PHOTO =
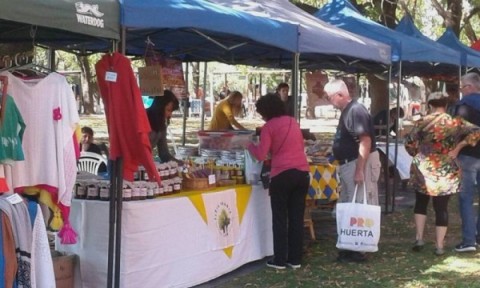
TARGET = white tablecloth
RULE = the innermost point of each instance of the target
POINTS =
(403, 158)
(166, 242)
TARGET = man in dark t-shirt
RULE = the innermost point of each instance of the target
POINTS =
(354, 149)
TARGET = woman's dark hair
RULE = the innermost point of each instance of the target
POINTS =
(270, 106)
(393, 111)
(282, 85)
(442, 102)
(87, 130)
(156, 112)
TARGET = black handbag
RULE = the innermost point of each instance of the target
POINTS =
(265, 173)
(267, 164)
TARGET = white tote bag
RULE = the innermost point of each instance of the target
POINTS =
(358, 225)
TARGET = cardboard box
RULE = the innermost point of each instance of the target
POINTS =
(63, 267)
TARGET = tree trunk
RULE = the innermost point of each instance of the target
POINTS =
(378, 88)
(387, 12)
(195, 77)
(88, 86)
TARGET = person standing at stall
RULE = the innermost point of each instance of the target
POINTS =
(159, 114)
(354, 149)
(224, 115)
(282, 92)
(434, 173)
(289, 179)
(469, 158)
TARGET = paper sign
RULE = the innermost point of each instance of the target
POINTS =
(151, 80)
(211, 179)
(111, 76)
(14, 199)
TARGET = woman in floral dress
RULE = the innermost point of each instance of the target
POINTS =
(434, 143)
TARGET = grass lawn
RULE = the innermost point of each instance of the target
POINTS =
(395, 265)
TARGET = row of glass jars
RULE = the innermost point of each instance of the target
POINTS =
(230, 170)
(168, 170)
(137, 190)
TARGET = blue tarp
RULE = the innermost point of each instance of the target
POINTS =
(450, 56)
(315, 36)
(196, 30)
(470, 57)
(405, 48)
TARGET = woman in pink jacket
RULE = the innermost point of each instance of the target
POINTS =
(289, 179)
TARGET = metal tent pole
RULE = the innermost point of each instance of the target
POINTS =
(202, 125)
(116, 176)
(111, 221)
(300, 98)
(395, 160)
(295, 69)
(387, 161)
(118, 226)
(185, 108)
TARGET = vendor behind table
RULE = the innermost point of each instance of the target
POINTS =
(159, 115)
(224, 115)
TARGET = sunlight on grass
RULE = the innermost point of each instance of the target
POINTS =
(456, 264)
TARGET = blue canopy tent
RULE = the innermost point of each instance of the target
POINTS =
(418, 56)
(195, 30)
(211, 32)
(470, 57)
(319, 44)
(407, 27)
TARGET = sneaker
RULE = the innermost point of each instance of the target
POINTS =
(418, 246)
(439, 251)
(294, 266)
(272, 264)
(465, 248)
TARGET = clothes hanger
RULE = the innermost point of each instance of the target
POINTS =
(3, 96)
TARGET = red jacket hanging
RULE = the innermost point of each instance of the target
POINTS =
(127, 121)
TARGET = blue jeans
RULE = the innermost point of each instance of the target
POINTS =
(470, 177)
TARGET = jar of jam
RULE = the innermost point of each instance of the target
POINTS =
(150, 190)
(127, 191)
(239, 169)
(104, 190)
(155, 189)
(161, 190)
(92, 191)
(80, 190)
(218, 170)
(135, 191)
(164, 171)
(240, 180)
(173, 169)
(143, 190)
(177, 185)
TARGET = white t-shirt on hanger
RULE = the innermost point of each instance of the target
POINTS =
(49, 110)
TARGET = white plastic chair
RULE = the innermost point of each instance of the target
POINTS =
(90, 162)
